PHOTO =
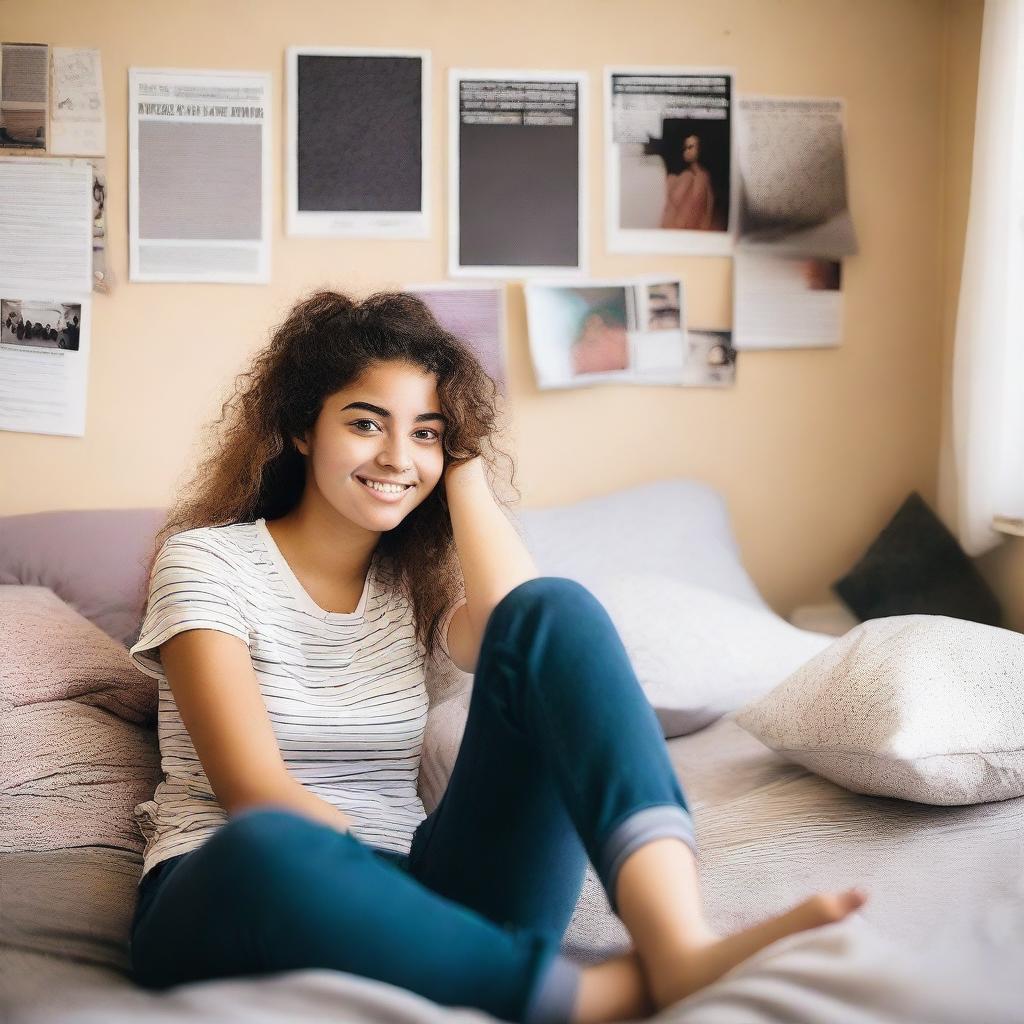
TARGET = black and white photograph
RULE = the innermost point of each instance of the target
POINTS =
(668, 162)
(358, 142)
(39, 324)
(24, 95)
(710, 359)
(517, 192)
(664, 308)
(793, 189)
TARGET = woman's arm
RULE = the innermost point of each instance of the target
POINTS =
(493, 558)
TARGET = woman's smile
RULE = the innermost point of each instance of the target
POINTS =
(390, 493)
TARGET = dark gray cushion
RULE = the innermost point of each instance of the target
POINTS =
(916, 567)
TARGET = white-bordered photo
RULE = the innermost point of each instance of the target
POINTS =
(627, 330)
(517, 183)
(670, 171)
(199, 175)
(476, 312)
(358, 142)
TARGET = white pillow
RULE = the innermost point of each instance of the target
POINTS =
(918, 707)
(697, 653)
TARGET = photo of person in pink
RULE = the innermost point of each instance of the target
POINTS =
(689, 196)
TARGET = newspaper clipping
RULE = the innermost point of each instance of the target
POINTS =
(668, 164)
(45, 308)
(44, 365)
(516, 186)
(358, 142)
(787, 302)
(199, 175)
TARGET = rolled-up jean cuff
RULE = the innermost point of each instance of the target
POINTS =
(555, 997)
(637, 830)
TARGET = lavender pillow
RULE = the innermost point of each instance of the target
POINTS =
(94, 559)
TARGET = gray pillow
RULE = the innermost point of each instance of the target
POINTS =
(699, 654)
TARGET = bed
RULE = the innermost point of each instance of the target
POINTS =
(940, 939)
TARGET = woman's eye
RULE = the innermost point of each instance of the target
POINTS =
(366, 424)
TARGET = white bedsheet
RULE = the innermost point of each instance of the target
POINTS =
(940, 939)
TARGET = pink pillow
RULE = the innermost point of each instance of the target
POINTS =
(77, 747)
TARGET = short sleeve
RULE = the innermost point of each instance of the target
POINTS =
(191, 587)
(446, 620)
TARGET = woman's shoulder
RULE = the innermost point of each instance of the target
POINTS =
(234, 539)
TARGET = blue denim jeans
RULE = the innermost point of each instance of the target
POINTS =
(562, 760)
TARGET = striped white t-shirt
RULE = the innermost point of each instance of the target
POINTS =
(345, 692)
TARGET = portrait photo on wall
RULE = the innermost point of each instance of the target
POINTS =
(668, 160)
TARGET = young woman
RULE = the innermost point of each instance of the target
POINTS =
(341, 534)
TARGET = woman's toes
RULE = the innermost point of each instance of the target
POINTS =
(829, 907)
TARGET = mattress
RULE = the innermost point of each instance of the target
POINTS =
(940, 938)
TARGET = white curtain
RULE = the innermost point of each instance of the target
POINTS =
(988, 358)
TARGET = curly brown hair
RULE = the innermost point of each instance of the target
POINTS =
(326, 343)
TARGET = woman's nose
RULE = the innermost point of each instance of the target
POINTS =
(396, 453)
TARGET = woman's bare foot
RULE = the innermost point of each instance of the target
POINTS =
(692, 967)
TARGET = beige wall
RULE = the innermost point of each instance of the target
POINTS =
(813, 449)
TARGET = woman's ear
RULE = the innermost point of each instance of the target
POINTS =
(301, 445)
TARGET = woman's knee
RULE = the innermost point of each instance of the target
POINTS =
(558, 591)
(266, 835)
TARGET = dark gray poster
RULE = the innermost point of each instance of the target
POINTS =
(358, 140)
(517, 186)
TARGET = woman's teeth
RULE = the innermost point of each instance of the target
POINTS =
(384, 488)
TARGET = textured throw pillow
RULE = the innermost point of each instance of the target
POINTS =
(77, 753)
(918, 707)
(916, 567)
(699, 654)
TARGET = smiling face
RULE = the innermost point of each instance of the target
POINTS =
(691, 149)
(398, 439)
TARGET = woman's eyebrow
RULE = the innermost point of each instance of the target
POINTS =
(422, 418)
